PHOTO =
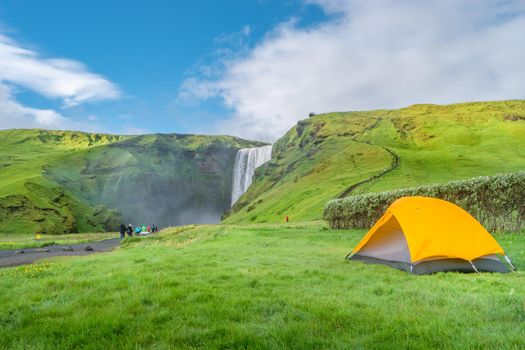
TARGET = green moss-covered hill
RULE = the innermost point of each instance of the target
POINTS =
(339, 154)
(60, 181)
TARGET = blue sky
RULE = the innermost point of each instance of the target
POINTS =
(147, 49)
(250, 68)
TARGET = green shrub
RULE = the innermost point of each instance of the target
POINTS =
(498, 202)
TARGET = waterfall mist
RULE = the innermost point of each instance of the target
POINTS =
(246, 161)
(166, 180)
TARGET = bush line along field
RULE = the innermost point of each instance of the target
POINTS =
(257, 286)
(323, 156)
(498, 202)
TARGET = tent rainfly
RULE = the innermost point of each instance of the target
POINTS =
(424, 235)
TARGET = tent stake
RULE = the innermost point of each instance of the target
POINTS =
(473, 266)
(510, 263)
(351, 254)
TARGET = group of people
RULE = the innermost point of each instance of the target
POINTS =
(138, 230)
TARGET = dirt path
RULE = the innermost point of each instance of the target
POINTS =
(16, 257)
(393, 165)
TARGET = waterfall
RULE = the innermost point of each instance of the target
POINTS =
(246, 161)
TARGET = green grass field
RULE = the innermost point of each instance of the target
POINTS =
(256, 286)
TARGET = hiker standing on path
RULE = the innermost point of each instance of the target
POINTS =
(130, 230)
(122, 231)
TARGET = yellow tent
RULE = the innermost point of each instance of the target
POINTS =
(425, 235)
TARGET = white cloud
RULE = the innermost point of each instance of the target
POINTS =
(15, 115)
(371, 54)
(54, 78)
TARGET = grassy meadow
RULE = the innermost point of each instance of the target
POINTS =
(255, 286)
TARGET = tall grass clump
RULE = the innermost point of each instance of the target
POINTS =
(498, 202)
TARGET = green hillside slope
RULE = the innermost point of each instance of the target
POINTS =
(338, 154)
(29, 202)
(61, 181)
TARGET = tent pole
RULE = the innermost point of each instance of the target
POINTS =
(349, 255)
(510, 263)
(412, 268)
(473, 266)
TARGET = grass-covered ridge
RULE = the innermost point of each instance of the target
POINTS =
(63, 181)
(256, 286)
(327, 155)
(30, 202)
